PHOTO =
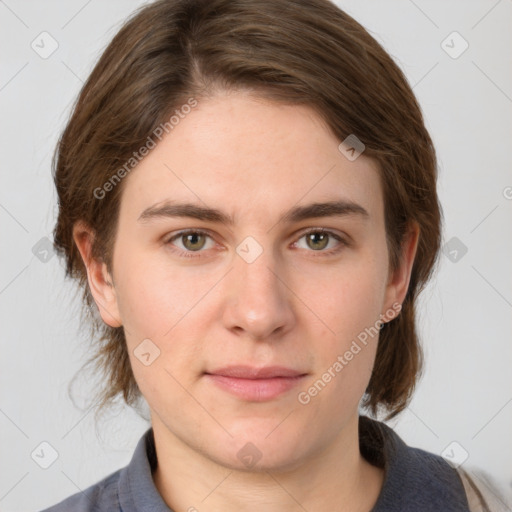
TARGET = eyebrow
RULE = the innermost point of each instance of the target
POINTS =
(298, 213)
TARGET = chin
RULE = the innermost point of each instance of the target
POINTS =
(250, 459)
(266, 448)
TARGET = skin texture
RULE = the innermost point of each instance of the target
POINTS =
(295, 305)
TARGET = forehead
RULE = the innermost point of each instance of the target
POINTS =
(245, 155)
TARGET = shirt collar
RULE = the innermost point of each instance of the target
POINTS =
(412, 476)
(137, 490)
(414, 479)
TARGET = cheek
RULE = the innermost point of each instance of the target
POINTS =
(154, 295)
(347, 299)
(348, 302)
(162, 303)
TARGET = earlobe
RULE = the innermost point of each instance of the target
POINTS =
(399, 279)
(100, 281)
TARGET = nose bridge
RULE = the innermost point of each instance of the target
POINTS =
(259, 303)
(258, 279)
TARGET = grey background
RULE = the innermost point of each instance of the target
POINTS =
(466, 393)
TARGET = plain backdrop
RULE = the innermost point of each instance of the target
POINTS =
(463, 405)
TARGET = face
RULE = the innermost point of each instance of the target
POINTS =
(242, 308)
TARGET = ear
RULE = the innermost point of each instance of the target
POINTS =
(100, 281)
(399, 279)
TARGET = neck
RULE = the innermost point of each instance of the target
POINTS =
(337, 478)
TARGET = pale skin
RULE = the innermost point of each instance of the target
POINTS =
(298, 305)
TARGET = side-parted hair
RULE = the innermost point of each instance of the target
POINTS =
(303, 52)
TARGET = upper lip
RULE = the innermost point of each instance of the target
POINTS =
(251, 372)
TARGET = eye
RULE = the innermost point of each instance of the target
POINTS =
(191, 241)
(320, 240)
(188, 242)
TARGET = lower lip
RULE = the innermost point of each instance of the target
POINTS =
(256, 390)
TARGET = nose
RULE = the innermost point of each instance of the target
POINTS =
(258, 299)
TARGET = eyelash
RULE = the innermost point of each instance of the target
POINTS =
(195, 254)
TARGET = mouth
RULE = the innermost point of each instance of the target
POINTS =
(256, 384)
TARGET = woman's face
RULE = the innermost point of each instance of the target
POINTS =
(246, 288)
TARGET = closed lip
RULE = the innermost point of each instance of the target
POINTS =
(252, 372)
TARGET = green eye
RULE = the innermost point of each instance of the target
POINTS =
(189, 242)
(317, 240)
(320, 240)
(193, 241)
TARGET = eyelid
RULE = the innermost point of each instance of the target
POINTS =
(342, 240)
(175, 235)
(187, 231)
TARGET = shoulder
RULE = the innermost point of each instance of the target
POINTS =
(484, 493)
(426, 480)
(102, 496)
(419, 480)
(129, 488)
(414, 478)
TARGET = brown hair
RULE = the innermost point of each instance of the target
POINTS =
(292, 51)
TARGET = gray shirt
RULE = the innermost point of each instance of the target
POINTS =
(415, 480)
